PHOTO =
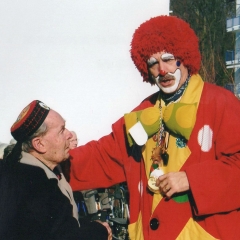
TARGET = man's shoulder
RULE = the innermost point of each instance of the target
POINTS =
(148, 102)
(22, 174)
(212, 91)
(218, 98)
(31, 171)
(214, 87)
(152, 98)
(20, 180)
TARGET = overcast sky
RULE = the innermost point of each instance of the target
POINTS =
(74, 56)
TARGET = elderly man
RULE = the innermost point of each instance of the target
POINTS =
(73, 140)
(179, 150)
(36, 201)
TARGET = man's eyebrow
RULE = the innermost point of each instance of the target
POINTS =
(63, 126)
(151, 61)
(167, 56)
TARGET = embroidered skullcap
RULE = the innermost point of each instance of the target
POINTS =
(29, 120)
(168, 33)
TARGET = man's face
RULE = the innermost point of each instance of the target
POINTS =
(73, 141)
(168, 72)
(57, 139)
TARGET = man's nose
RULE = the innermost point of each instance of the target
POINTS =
(162, 72)
(161, 69)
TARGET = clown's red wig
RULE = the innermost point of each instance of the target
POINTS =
(167, 33)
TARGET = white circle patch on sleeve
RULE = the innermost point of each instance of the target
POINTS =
(205, 136)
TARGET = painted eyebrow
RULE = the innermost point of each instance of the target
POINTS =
(151, 61)
(167, 56)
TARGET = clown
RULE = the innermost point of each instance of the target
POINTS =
(191, 125)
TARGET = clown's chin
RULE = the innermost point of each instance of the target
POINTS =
(174, 87)
(171, 89)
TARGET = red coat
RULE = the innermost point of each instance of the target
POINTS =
(213, 174)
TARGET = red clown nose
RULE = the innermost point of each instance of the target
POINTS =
(162, 73)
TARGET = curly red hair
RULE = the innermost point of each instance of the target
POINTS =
(168, 33)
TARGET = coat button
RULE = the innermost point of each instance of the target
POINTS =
(154, 224)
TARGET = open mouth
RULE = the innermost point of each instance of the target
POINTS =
(166, 80)
(169, 82)
(166, 83)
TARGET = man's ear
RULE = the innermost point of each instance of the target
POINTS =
(38, 144)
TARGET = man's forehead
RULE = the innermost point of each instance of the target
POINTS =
(55, 120)
(74, 135)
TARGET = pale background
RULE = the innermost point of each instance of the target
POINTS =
(74, 56)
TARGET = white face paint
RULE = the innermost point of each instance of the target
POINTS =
(174, 73)
(173, 88)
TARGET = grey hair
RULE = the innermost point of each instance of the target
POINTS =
(27, 145)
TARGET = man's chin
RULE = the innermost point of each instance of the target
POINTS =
(66, 156)
(168, 90)
(174, 81)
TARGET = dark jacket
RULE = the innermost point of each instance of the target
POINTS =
(33, 207)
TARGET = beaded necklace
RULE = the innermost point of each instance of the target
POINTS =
(160, 155)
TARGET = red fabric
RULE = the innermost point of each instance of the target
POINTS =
(214, 176)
